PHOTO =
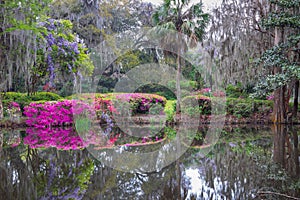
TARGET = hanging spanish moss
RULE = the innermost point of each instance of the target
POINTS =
(18, 46)
(235, 39)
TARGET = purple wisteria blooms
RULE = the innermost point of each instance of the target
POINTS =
(60, 51)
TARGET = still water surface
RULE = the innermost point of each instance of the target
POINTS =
(247, 163)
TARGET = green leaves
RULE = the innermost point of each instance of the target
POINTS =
(178, 16)
(277, 56)
(284, 55)
(282, 19)
(286, 3)
(24, 14)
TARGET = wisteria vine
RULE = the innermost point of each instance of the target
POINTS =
(64, 50)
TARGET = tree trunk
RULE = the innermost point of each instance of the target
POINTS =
(178, 89)
(1, 108)
(279, 110)
(295, 109)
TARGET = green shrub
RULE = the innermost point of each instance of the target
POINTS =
(192, 111)
(230, 104)
(188, 105)
(234, 106)
(170, 110)
(263, 106)
(170, 132)
(45, 96)
(243, 109)
(157, 89)
(233, 91)
(184, 85)
(12, 96)
(23, 99)
(168, 94)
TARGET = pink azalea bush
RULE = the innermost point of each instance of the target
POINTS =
(13, 111)
(48, 114)
(219, 94)
(104, 105)
(141, 102)
(14, 105)
(60, 113)
(205, 91)
(270, 97)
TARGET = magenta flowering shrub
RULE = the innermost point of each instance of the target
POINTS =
(141, 102)
(51, 114)
(219, 94)
(14, 105)
(270, 97)
(61, 113)
(205, 91)
(204, 103)
(13, 111)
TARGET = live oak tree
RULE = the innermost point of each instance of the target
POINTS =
(27, 47)
(235, 38)
(18, 33)
(283, 58)
(98, 21)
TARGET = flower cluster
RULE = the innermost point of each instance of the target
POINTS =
(63, 49)
(270, 97)
(205, 91)
(13, 110)
(140, 102)
(104, 105)
(219, 94)
(14, 105)
(49, 114)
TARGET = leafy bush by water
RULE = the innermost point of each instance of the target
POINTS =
(235, 106)
(23, 99)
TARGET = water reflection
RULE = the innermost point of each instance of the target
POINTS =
(234, 169)
(286, 148)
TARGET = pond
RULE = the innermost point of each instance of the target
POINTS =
(246, 163)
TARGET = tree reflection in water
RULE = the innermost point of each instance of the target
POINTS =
(233, 170)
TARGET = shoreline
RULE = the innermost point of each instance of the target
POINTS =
(229, 120)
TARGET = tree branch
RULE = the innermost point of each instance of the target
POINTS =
(276, 193)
